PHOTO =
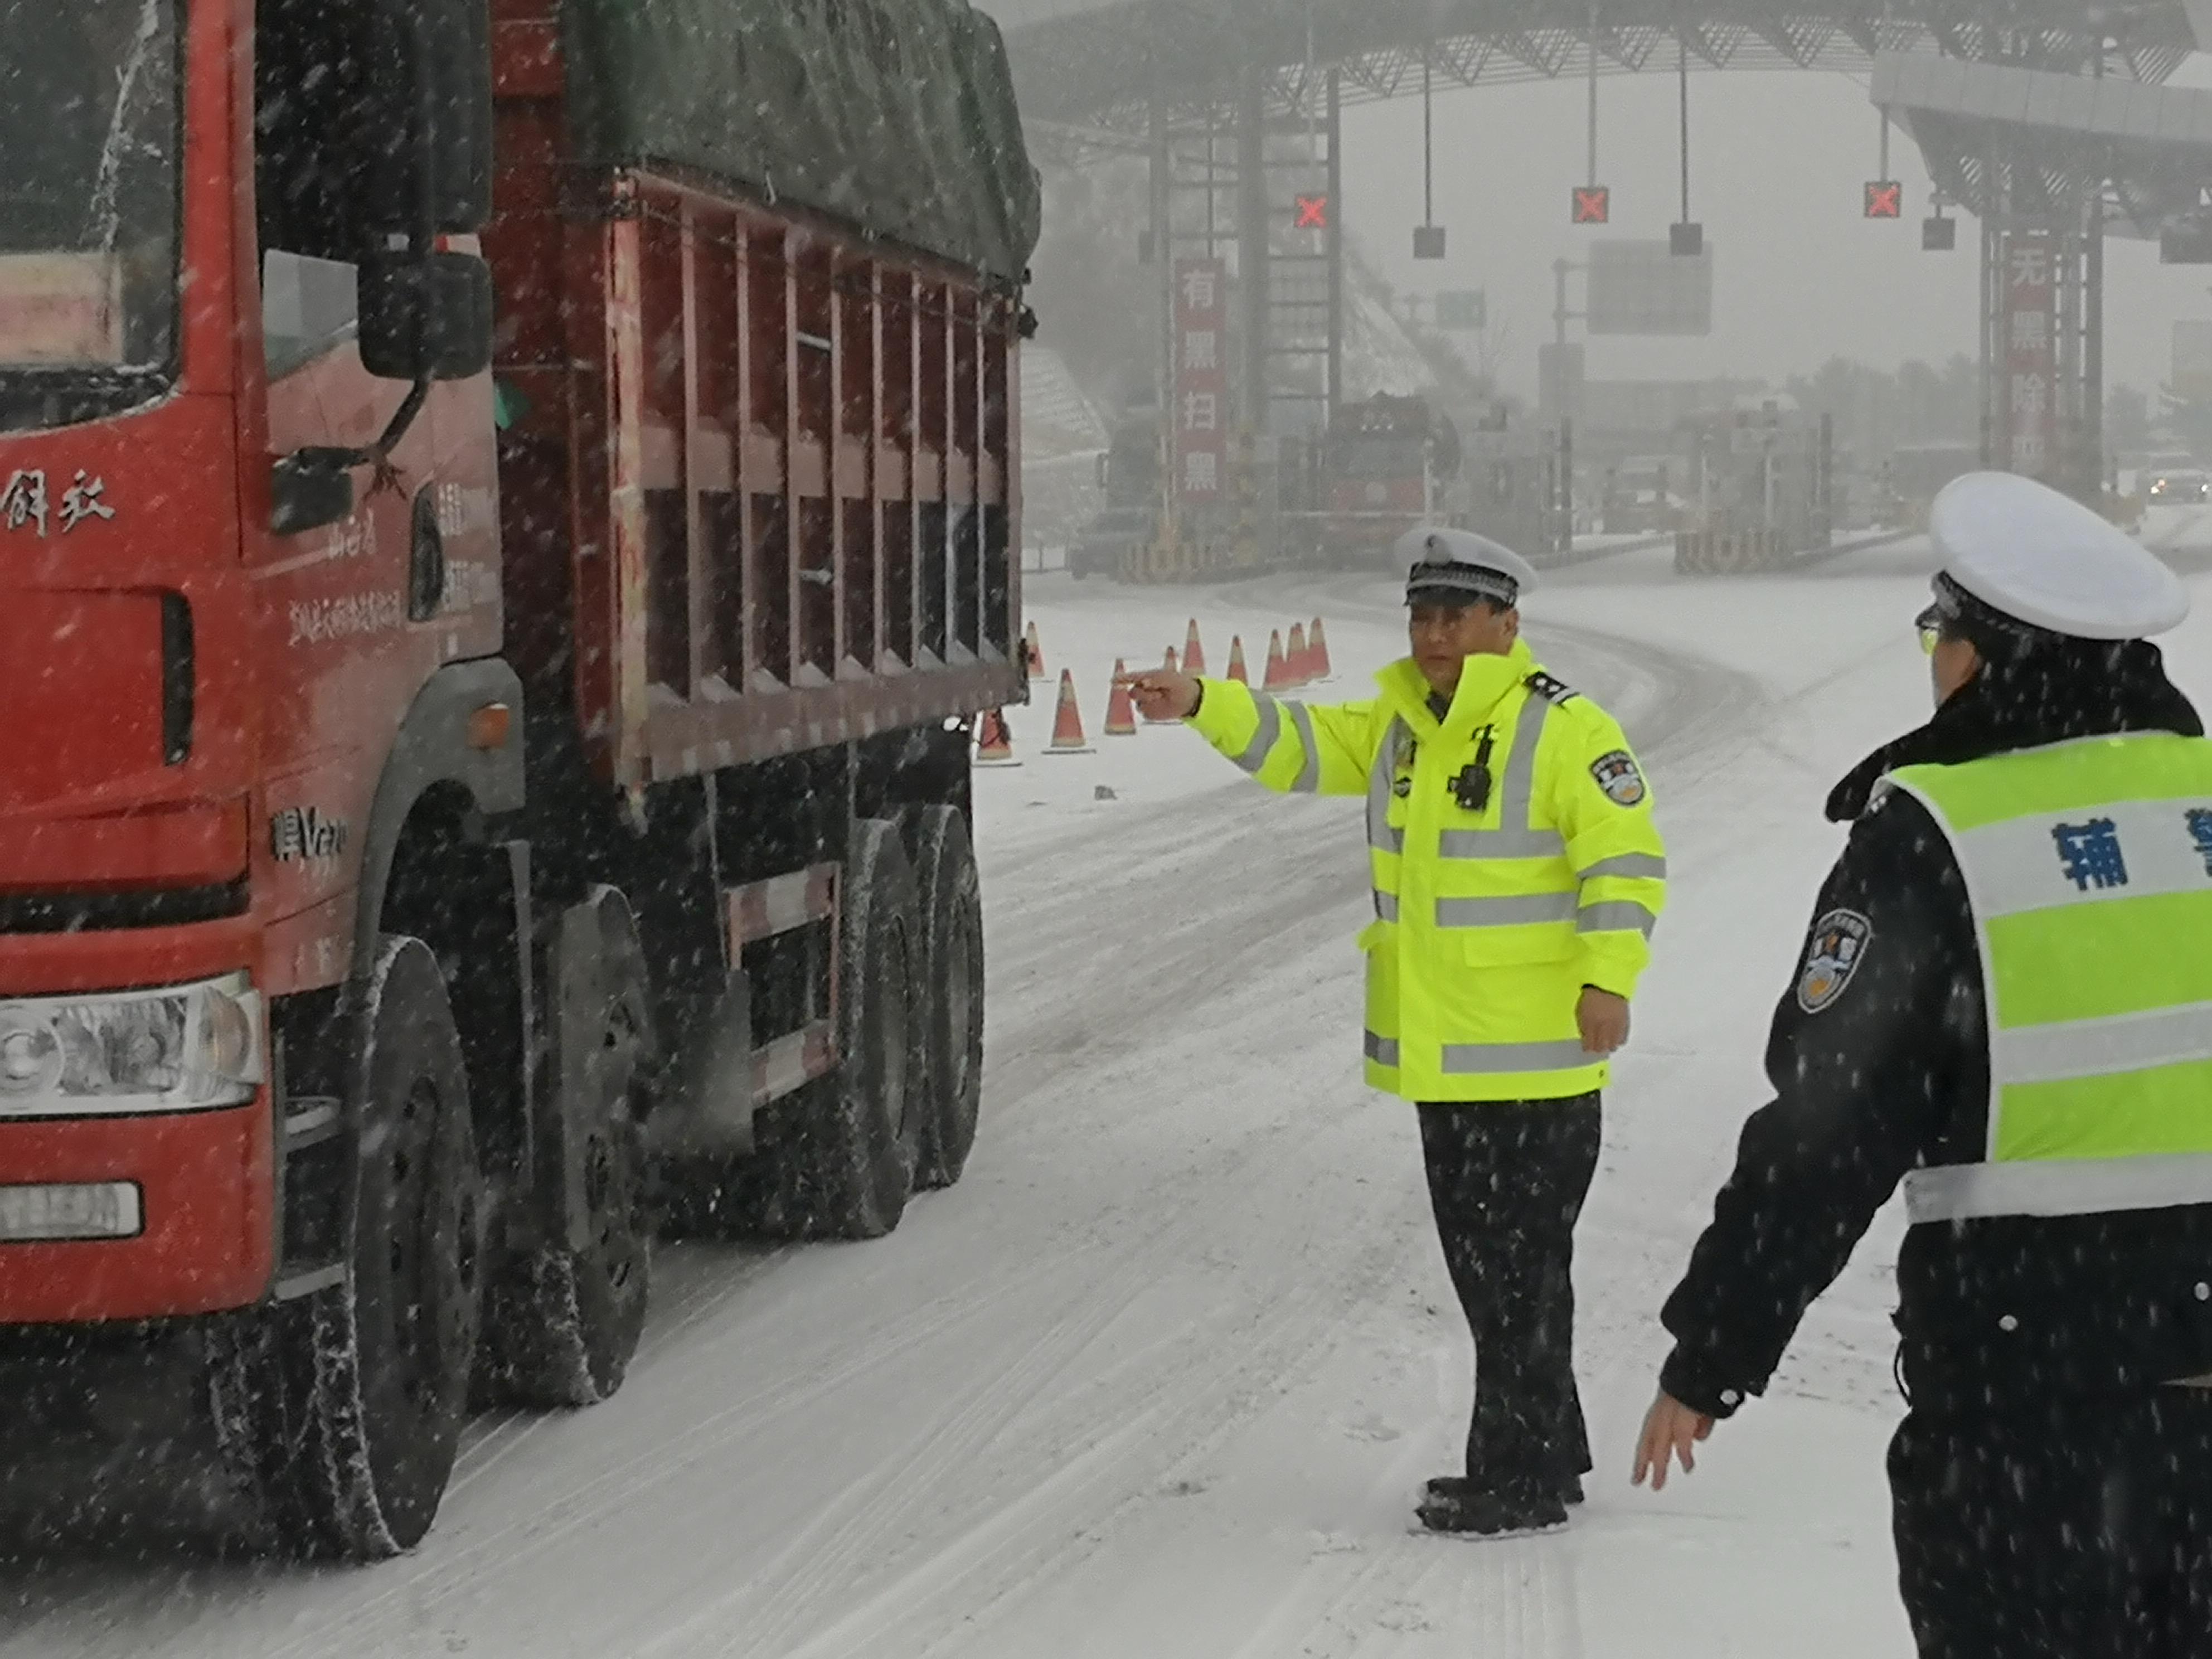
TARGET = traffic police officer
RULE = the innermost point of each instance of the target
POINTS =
(1517, 876)
(2005, 1003)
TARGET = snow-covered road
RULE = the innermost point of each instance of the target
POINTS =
(1162, 1376)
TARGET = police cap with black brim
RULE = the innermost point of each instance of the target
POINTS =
(1458, 568)
(2022, 561)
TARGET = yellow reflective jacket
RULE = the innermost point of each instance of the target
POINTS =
(1488, 923)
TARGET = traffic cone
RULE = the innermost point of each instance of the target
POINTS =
(1317, 652)
(1170, 664)
(1120, 707)
(1236, 660)
(1067, 722)
(995, 742)
(1194, 653)
(1297, 664)
(1276, 676)
(1035, 652)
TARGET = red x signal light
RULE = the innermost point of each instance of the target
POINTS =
(1885, 199)
(1313, 213)
(1593, 204)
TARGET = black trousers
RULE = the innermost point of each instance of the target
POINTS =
(1507, 1180)
(2083, 1531)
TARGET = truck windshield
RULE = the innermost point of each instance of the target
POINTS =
(90, 126)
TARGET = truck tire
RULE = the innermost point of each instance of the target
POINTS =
(836, 1159)
(342, 1411)
(563, 1318)
(952, 990)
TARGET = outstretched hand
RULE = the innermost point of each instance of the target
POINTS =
(1162, 694)
(1671, 1431)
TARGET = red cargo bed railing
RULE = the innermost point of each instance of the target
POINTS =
(765, 470)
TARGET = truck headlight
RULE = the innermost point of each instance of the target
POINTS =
(181, 1048)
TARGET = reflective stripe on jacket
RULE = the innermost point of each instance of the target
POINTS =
(2088, 868)
(1488, 923)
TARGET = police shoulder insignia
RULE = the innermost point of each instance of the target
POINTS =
(1839, 945)
(1550, 688)
(1618, 775)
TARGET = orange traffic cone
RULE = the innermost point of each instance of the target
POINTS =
(1317, 652)
(1067, 722)
(1276, 678)
(1120, 707)
(1194, 653)
(1035, 652)
(994, 743)
(1236, 660)
(1297, 664)
(1170, 664)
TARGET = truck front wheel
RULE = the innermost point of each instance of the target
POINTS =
(342, 1410)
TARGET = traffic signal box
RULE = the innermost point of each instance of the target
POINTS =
(1885, 199)
(1593, 204)
(1311, 213)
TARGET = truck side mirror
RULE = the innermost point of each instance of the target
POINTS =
(426, 319)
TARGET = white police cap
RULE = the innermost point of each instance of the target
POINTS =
(1442, 562)
(2039, 557)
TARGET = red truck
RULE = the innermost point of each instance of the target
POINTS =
(484, 776)
(1388, 461)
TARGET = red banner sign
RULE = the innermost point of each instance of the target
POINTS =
(1201, 383)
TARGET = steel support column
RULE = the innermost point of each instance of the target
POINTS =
(1335, 247)
(1252, 248)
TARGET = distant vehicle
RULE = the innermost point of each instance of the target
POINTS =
(1387, 460)
(1639, 500)
(1129, 473)
(2180, 489)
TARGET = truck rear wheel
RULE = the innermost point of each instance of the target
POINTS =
(838, 1158)
(563, 1318)
(342, 1410)
(953, 992)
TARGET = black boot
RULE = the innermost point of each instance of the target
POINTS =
(1453, 1503)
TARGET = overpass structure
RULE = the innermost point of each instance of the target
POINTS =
(1238, 105)
(1105, 63)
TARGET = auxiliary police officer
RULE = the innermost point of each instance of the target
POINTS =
(2005, 1003)
(1517, 876)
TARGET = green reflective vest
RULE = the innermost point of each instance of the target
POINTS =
(2088, 868)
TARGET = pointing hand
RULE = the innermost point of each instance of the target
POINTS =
(1162, 695)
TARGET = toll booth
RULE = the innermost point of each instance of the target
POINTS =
(1761, 494)
(1516, 487)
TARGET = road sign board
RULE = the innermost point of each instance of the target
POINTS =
(1885, 198)
(1463, 309)
(1593, 204)
(1428, 241)
(1645, 288)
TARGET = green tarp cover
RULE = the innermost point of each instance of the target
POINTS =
(896, 116)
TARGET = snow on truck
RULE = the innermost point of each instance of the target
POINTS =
(508, 514)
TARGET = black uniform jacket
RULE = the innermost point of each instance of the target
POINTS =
(1891, 1071)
